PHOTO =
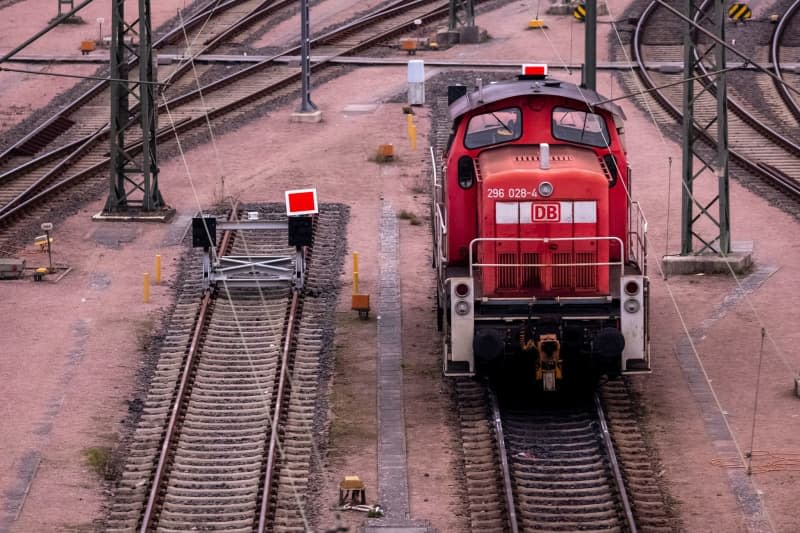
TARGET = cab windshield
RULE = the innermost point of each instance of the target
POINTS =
(494, 127)
(580, 127)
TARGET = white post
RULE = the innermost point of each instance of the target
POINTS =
(416, 82)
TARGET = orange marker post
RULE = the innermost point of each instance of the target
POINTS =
(146, 288)
(360, 302)
(355, 272)
(158, 269)
(412, 131)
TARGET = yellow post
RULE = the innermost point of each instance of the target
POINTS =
(146, 287)
(355, 272)
(412, 130)
(158, 269)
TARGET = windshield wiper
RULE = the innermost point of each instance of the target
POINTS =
(501, 122)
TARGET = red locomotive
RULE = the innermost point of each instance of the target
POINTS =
(540, 251)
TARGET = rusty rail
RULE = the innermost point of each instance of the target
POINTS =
(188, 367)
(615, 469)
(28, 196)
(504, 468)
(735, 156)
(273, 440)
(775, 55)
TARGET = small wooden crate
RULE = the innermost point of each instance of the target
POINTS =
(409, 45)
(87, 46)
(361, 304)
(385, 152)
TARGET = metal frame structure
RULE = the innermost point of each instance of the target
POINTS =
(69, 3)
(462, 14)
(713, 56)
(134, 170)
(306, 105)
(253, 271)
(590, 46)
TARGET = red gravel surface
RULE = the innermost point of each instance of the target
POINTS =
(72, 350)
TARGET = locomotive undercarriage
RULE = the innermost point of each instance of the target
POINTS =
(556, 350)
(552, 342)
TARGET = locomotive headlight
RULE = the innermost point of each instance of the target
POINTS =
(632, 288)
(631, 305)
(462, 290)
(545, 188)
(462, 308)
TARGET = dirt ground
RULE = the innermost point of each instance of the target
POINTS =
(72, 353)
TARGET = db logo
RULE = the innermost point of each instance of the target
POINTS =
(546, 212)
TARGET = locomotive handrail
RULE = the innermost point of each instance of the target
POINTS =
(436, 183)
(439, 224)
(638, 234)
(473, 242)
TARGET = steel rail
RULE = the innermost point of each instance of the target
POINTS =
(85, 143)
(82, 144)
(775, 45)
(198, 19)
(46, 157)
(266, 8)
(743, 161)
(171, 432)
(319, 41)
(739, 110)
(29, 196)
(79, 148)
(615, 469)
(188, 123)
(167, 39)
(273, 439)
(99, 87)
(188, 369)
(504, 468)
(263, 9)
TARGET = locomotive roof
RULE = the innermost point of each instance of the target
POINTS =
(495, 92)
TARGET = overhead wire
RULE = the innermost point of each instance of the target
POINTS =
(243, 236)
(734, 275)
(78, 76)
(645, 102)
(275, 329)
(673, 299)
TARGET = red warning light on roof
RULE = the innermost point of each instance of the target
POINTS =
(534, 70)
(301, 202)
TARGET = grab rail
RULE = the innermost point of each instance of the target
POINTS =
(439, 223)
(473, 242)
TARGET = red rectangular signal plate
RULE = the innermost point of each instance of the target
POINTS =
(534, 70)
(301, 202)
(546, 212)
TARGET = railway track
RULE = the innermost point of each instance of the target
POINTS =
(657, 39)
(785, 47)
(237, 380)
(554, 470)
(73, 144)
(82, 154)
(557, 465)
(561, 470)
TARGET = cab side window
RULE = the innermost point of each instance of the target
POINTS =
(494, 127)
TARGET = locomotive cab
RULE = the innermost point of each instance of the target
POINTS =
(539, 250)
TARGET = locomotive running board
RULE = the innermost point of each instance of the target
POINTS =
(457, 369)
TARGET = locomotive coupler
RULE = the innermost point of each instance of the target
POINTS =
(549, 371)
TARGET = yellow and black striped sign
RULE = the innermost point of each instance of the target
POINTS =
(739, 12)
(579, 12)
